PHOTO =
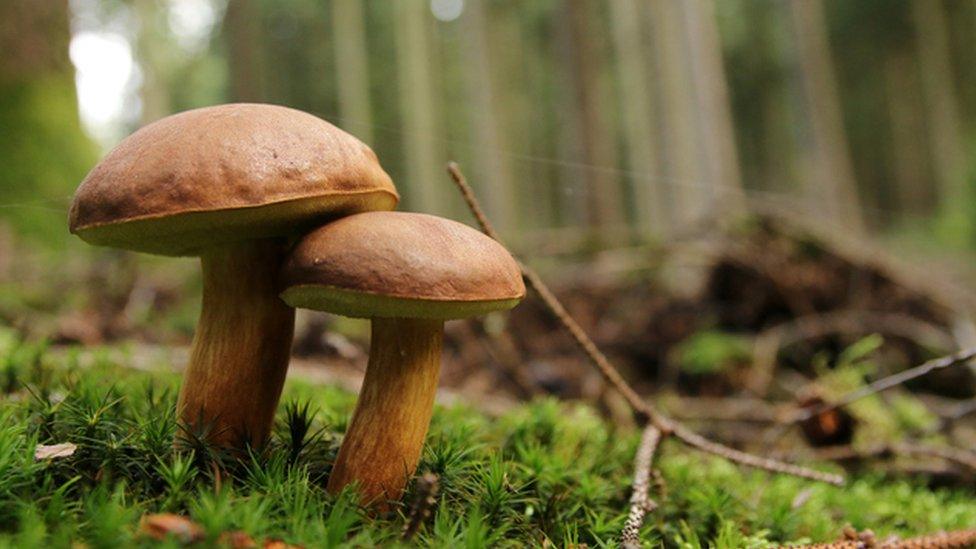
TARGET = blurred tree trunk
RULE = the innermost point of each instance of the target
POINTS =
(43, 150)
(352, 68)
(521, 81)
(583, 63)
(34, 37)
(424, 165)
(150, 51)
(637, 117)
(942, 115)
(913, 194)
(716, 133)
(689, 189)
(242, 29)
(827, 169)
(490, 162)
(571, 188)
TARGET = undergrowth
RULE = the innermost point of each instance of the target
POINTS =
(545, 472)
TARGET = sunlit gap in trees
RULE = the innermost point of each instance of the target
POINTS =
(104, 53)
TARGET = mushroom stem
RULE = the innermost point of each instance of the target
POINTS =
(382, 445)
(241, 346)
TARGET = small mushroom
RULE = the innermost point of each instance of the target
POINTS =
(230, 184)
(408, 273)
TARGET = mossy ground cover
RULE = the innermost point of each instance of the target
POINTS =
(546, 472)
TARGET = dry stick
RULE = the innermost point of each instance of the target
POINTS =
(961, 410)
(644, 411)
(771, 340)
(951, 454)
(954, 455)
(946, 540)
(640, 499)
(888, 382)
(535, 282)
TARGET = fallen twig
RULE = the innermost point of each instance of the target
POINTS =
(944, 540)
(886, 383)
(769, 342)
(957, 456)
(640, 499)
(644, 411)
(961, 410)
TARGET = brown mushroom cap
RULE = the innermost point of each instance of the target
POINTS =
(221, 174)
(406, 265)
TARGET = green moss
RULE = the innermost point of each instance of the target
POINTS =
(711, 352)
(546, 471)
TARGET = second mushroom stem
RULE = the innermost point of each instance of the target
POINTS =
(384, 440)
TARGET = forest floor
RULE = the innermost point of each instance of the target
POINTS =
(733, 334)
(543, 472)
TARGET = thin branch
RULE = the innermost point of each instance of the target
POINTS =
(535, 282)
(961, 410)
(944, 540)
(644, 411)
(771, 340)
(640, 499)
(951, 454)
(888, 382)
(695, 440)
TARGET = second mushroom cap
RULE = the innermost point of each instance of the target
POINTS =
(401, 265)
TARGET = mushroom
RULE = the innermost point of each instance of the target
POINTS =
(230, 184)
(408, 273)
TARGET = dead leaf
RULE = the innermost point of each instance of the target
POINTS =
(237, 540)
(161, 525)
(278, 544)
(54, 451)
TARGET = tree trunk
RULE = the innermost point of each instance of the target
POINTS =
(913, 194)
(716, 133)
(827, 169)
(43, 150)
(424, 162)
(637, 117)
(942, 115)
(596, 140)
(689, 189)
(242, 29)
(150, 45)
(490, 162)
(352, 68)
(521, 78)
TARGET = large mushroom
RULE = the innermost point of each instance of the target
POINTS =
(230, 184)
(409, 273)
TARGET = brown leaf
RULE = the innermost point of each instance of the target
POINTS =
(279, 544)
(161, 525)
(237, 540)
(54, 451)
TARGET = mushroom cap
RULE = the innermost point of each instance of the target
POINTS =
(403, 265)
(216, 175)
